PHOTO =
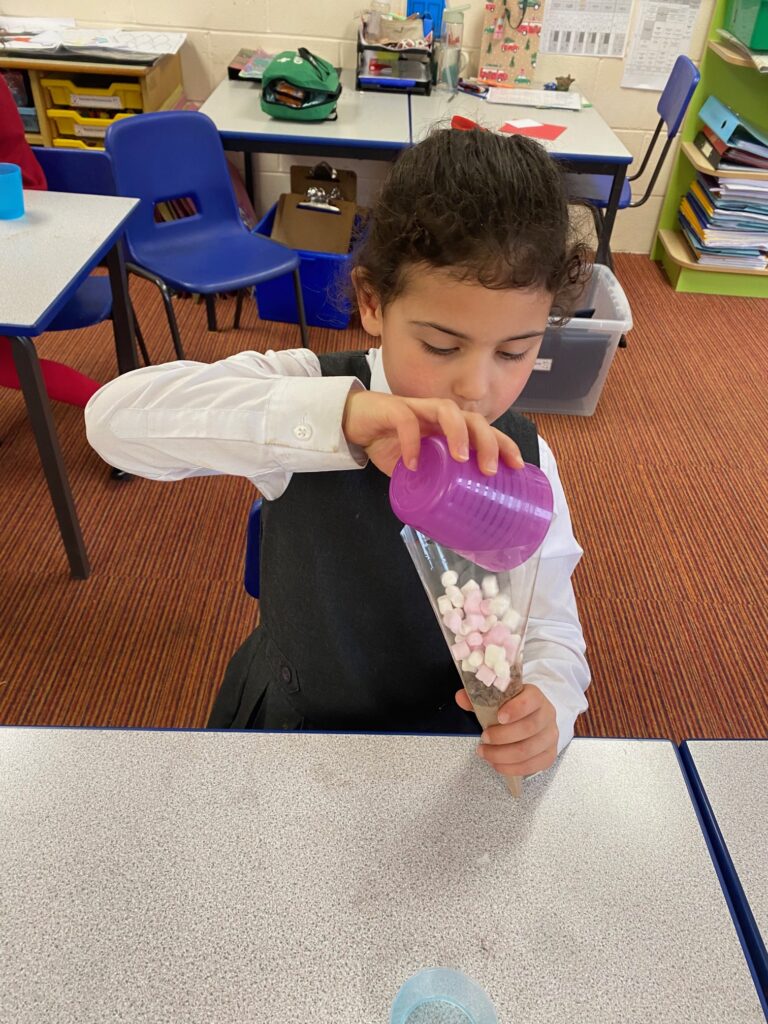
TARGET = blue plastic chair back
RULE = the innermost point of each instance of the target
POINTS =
(677, 94)
(171, 155)
(253, 550)
(77, 170)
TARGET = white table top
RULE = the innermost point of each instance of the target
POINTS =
(365, 118)
(586, 133)
(221, 877)
(61, 236)
(734, 774)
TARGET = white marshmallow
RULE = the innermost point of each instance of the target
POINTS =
(449, 579)
(469, 586)
(454, 595)
(444, 604)
(465, 666)
(512, 619)
(475, 660)
(493, 653)
(488, 624)
(490, 586)
(500, 605)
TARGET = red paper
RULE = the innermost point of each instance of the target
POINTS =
(540, 131)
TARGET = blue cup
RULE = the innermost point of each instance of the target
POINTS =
(442, 996)
(11, 192)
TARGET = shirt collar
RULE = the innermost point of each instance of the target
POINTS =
(378, 377)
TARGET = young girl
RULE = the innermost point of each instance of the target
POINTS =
(466, 257)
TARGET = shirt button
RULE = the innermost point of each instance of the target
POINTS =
(302, 432)
(285, 674)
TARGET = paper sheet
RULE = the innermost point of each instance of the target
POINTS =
(595, 28)
(662, 31)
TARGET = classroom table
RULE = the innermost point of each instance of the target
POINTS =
(370, 125)
(44, 256)
(219, 877)
(587, 146)
(730, 782)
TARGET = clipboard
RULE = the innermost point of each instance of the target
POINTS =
(731, 128)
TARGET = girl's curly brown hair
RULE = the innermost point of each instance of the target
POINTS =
(491, 208)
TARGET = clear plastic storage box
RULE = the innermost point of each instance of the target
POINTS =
(574, 360)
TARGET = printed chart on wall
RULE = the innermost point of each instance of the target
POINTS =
(592, 28)
(509, 45)
(662, 32)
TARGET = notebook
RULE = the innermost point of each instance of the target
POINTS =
(536, 98)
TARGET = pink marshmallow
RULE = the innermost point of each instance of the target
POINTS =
(453, 621)
(500, 634)
(486, 675)
(461, 651)
(476, 622)
(485, 606)
(475, 640)
(472, 602)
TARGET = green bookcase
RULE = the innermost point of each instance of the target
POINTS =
(738, 84)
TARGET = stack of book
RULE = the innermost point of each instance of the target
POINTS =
(725, 219)
(725, 222)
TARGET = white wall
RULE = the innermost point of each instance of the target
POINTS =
(216, 29)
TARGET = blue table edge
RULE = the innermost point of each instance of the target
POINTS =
(746, 926)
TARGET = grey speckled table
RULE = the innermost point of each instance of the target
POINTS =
(214, 878)
(733, 775)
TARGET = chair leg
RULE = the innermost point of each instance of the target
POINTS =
(172, 322)
(300, 308)
(210, 309)
(238, 307)
(140, 338)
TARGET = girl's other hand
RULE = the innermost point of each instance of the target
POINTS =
(389, 426)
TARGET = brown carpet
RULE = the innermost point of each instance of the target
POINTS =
(668, 487)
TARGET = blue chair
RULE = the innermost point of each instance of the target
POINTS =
(594, 190)
(253, 550)
(174, 156)
(84, 171)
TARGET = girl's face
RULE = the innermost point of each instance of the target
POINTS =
(443, 338)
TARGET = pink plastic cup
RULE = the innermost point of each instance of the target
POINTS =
(497, 521)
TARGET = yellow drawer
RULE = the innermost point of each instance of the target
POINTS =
(71, 124)
(118, 96)
(63, 143)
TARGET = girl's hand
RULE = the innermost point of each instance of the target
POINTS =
(388, 427)
(525, 741)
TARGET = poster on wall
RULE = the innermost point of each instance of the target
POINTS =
(663, 31)
(509, 44)
(589, 28)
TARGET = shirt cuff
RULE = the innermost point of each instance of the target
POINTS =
(303, 424)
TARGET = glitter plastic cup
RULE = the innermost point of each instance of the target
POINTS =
(496, 521)
(442, 996)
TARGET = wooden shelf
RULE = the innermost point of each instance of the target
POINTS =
(678, 251)
(730, 54)
(697, 160)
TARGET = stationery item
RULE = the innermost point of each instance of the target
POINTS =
(533, 129)
(732, 129)
(759, 60)
(536, 98)
(11, 192)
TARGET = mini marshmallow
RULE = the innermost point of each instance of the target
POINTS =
(490, 586)
(473, 602)
(475, 640)
(502, 669)
(455, 595)
(449, 579)
(493, 653)
(461, 651)
(500, 605)
(453, 621)
(465, 666)
(444, 605)
(465, 630)
(501, 683)
(488, 623)
(499, 634)
(512, 646)
(512, 619)
(485, 606)
(476, 621)
(486, 675)
(469, 586)
(475, 660)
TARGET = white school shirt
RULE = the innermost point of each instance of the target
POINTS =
(268, 416)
